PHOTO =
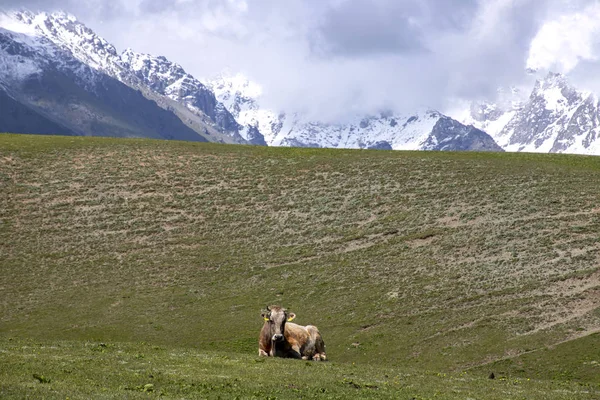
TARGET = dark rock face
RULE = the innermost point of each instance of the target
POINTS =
(556, 118)
(451, 135)
(69, 97)
(170, 79)
(383, 145)
(165, 83)
(255, 137)
(18, 118)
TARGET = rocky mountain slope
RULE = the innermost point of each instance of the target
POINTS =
(240, 96)
(424, 130)
(59, 58)
(53, 92)
(555, 118)
(59, 39)
(18, 118)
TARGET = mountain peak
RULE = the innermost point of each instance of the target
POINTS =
(63, 30)
(79, 53)
(63, 15)
(19, 22)
(159, 65)
(63, 39)
(35, 19)
(552, 80)
(235, 84)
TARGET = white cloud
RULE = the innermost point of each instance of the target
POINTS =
(335, 57)
(562, 43)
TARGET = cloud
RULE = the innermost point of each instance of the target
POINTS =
(562, 43)
(366, 27)
(332, 58)
(569, 42)
(92, 8)
(424, 54)
(363, 29)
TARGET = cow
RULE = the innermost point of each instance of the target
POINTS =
(279, 337)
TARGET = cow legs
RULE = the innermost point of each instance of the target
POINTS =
(319, 345)
(319, 350)
(295, 353)
(262, 353)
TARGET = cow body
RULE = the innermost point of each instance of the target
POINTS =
(280, 338)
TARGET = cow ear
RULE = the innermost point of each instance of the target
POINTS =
(291, 317)
(265, 316)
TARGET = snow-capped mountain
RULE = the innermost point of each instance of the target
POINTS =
(169, 79)
(491, 117)
(58, 76)
(241, 96)
(158, 79)
(425, 130)
(226, 109)
(45, 89)
(556, 118)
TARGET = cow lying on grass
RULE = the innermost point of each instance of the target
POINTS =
(281, 338)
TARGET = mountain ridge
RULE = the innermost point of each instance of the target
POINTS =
(556, 118)
(225, 111)
(386, 130)
(52, 84)
(70, 39)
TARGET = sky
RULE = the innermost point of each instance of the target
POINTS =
(335, 58)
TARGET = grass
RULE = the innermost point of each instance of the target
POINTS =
(408, 261)
(104, 370)
(573, 361)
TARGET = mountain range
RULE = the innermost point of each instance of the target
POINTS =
(555, 118)
(57, 76)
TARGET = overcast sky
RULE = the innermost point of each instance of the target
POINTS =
(334, 57)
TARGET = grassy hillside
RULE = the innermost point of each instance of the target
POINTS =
(445, 262)
(94, 370)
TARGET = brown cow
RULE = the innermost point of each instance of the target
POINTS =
(281, 338)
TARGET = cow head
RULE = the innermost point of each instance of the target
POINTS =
(276, 317)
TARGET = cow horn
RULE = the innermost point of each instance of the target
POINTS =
(268, 308)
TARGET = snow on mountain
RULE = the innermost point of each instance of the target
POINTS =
(46, 89)
(235, 91)
(154, 76)
(425, 130)
(14, 66)
(25, 52)
(170, 79)
(241, 97)
(556, 118)
(235, 109)
(66, 32)
(385, 131)
(491, 117)
(408, 132)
